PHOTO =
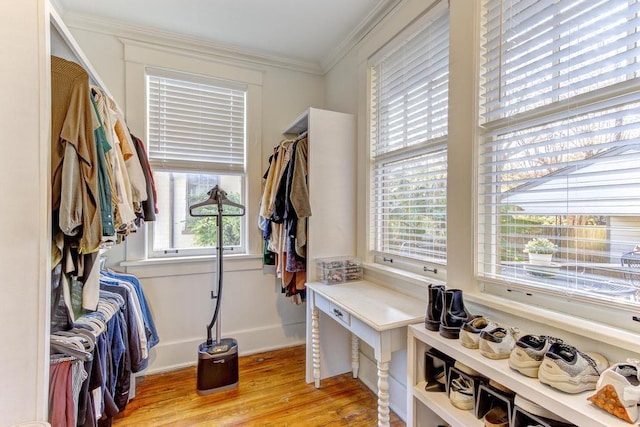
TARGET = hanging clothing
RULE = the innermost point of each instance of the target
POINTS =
(150, 205)
(73, 157)
(122, 195)
(284, 210)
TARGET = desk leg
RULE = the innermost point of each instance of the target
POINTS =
(383, 394)
(355, 355)
(315, 346)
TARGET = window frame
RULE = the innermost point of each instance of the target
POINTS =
(138, 56)
(430, 266)
(182, 166)
(486, 238)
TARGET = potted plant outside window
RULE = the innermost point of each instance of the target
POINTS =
(540, 251)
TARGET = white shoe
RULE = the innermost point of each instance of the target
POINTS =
(618, 390)
(497, 343)
(569, 370)
(470, 331)
(461, 393)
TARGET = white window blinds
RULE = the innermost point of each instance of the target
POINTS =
(409, 107)
(195, 124)
(538, 53)
(559, 157)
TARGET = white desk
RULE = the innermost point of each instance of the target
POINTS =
(373, 313)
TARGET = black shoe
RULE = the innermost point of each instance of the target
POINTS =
(434, 307)
(454, 314)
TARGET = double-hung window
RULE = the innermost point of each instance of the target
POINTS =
(560, 152)
(409, 81)
(196, 137)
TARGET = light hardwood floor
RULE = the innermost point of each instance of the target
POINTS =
(272, 392)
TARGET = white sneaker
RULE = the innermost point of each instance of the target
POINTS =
(618, 390)
(470, 331)
(497, 343)
(569, 370)
(528, 353)
(461, 393)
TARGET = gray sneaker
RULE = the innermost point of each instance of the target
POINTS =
(528, 353)
(570, 370)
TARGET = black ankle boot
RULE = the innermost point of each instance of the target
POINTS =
(454, 313)
(434, 307)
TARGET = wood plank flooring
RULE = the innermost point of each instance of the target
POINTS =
(272, 392)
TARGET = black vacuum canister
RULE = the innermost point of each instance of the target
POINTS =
(217, 366)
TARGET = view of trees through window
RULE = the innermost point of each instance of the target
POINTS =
(177, 229)
(560, 109)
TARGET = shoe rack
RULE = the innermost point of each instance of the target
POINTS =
(573, 407)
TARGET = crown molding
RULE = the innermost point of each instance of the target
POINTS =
(383, 8)
(186, 43)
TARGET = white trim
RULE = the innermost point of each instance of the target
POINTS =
(44, 208)
(167, 57)
(379, 13)
(169, 356)
(186, 44)
(137, 57)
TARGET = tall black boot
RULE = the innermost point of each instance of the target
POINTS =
(454, 314)
(434, 307)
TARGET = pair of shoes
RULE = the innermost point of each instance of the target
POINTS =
(496, 417)
(446, 312)
(461, 393)
(618, 390)
(528, 353)
(470, 331)
(535, 409)
(569, 370)
(497, 343)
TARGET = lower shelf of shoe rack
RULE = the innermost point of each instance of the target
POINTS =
(573, 407)
(439, 403)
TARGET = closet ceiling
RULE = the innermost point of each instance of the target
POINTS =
(306, 30)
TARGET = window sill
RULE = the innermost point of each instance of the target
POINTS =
(592, 330)
(180, 266)
(623, 337)
(403, 281)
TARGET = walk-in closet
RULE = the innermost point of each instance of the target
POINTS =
(373, 212)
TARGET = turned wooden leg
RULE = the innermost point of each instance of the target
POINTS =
(383, 394)
(315, 346)
(355, 355)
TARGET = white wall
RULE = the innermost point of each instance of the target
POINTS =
(253, 311)
(24, 177)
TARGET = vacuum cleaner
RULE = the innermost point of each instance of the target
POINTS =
(217, 359)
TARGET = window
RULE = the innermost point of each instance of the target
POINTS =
(560, 109)
(196, 137)
(408, 131)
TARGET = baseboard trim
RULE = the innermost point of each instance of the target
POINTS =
(178, 354)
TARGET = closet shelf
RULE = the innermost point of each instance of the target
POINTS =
(299, 125)
(439, 403)
(573, 407)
